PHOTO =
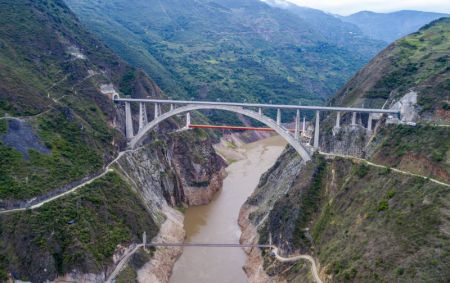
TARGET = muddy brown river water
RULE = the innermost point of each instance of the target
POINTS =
(217, 221)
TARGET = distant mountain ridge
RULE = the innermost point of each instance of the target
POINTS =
(391, 26)
(228, 50)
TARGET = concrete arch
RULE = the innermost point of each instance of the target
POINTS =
(261, 118)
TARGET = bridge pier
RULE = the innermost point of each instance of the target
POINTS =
(144, 240)
(142, 115)
(156, 110)
(128, 121)
(304, 125)
(369, 123)
(171, 107)
(297, 125)
(316, 130)
(338, 119)
(278, 117)
(354, 119)
(259, 111)
(188, 120)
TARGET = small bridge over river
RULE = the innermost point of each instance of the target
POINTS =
(164, 109)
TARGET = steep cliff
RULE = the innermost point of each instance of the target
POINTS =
(59, 128)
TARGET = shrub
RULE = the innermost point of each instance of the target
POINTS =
(390, 194)
(362, 170)
(383, 205)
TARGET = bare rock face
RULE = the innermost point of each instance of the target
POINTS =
(254, 263)
(165, 174)
(200, 169)
(203, 195)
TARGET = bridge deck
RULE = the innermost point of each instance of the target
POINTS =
(260, 105)
(208, 245)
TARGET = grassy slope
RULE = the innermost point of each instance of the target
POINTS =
(79, 232)
(55, 94)
(417, 62)
(226, 50)
(368, 224)
(365, 225)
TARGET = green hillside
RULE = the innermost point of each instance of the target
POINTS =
(51, 71)
(227, 50)
(363, 222)
(418, 62)
(57, 128)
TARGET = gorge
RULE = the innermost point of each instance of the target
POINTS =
(372, 205)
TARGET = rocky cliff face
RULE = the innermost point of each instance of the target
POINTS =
(361, 223)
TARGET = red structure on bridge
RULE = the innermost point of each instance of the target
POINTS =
(239, 128)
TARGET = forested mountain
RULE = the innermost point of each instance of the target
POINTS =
(58, 129)
(391, 26)
(228, 50)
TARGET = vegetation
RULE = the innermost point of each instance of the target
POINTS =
(417, 62)
(371, 231)
(79, 231)
(56, 94)
(310, 203)
(50, 76)
(429, 144)
(375, 227)
(70, 160)
(229, 51)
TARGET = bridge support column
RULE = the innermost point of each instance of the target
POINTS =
(128, 121)
(297, 125)
(304, 125)
(369, 123)
(171, 107)
(338, 119)
(144, 240)
(278, 117)
(156, 110)
(188, 120)
(259, 111)
(142, 115)
(316, 130)
(354, 119)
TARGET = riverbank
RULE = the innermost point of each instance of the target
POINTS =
(217, 221)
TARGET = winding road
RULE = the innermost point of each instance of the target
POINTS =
(314, 270)
(41, 203)
(384, 167)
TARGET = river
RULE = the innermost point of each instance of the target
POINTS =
(217, 221)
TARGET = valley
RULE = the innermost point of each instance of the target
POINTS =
(125, 134)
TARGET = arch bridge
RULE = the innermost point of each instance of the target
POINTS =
(251, 110)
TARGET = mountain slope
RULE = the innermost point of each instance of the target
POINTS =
(59, 128)
(391, 26)
(362, 221)
(341, 33)
(414, 68)
(418, 62)
(228, 50)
